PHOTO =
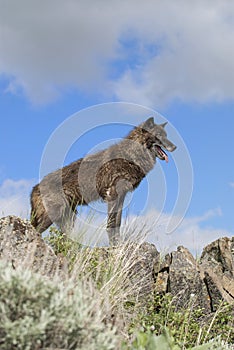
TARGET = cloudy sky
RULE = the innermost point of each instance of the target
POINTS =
(60, 58)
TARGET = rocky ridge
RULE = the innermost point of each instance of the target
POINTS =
(204, 282)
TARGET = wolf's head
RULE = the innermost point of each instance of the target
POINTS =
(157, 140)
(154, 137)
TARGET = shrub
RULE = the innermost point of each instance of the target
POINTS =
(40, 314)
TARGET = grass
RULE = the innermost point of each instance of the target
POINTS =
(110, 270)
(190, 326)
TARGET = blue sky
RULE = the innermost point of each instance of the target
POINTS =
(116, 63)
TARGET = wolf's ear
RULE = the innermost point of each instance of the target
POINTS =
(149, 123)
(164, 124)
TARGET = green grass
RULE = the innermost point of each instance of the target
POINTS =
(189, 327)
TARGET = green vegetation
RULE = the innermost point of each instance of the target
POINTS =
(98, 308)
(166, 342)
(41, 314)
(189, 327)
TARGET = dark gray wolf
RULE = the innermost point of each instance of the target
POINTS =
(108, 174)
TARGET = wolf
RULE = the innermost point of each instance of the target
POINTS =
(108, 175)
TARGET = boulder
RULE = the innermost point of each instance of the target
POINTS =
(217, 269)
(143, 258)
(179, 275)
(185, 281)
(21, 245)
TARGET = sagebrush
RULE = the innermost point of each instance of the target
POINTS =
(38, 314)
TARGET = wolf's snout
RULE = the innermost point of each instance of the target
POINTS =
(171, 148)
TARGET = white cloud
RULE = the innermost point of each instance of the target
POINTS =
(196, 58)
(182, 49)
(193, 233)
(231, 184)
(14, 197)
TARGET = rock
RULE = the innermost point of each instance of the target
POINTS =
(185, 281)
(21, 245)
(161, 282)
(217, 267)
(161, 274)
(143, 257)
(180, 276)
(203, 284)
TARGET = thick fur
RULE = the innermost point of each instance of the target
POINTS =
(108, 175)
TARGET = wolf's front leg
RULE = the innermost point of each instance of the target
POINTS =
(113, 235)
(114, 219)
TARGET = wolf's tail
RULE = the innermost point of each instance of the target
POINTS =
(35, 205)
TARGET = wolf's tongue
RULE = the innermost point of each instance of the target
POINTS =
(162, 153)
(166, 157)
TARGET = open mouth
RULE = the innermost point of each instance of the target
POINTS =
(162, 155)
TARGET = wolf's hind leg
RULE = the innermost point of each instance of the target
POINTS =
(40, 222)
(67, 221)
